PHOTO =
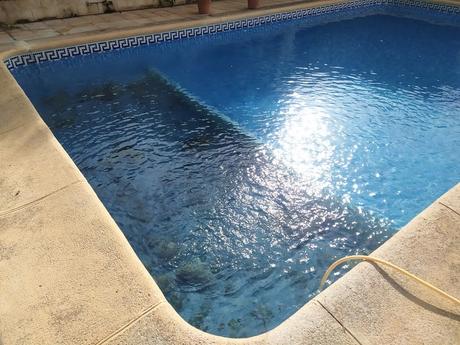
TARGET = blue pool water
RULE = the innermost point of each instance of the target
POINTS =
(239, 166)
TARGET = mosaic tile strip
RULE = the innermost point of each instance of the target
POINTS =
(136, 41)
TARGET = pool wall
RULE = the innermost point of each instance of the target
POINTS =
(69, 276)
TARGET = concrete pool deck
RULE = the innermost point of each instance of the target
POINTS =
(69, 276)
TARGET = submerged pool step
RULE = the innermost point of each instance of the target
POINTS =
(188, 97)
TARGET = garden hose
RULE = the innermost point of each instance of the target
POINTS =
(386, 263)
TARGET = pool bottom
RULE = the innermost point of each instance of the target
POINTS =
(222, 245)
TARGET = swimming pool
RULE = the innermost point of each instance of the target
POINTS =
(240, 165)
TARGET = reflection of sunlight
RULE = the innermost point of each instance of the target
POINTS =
(304, 141)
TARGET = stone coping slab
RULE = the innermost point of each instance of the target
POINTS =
(69, 276)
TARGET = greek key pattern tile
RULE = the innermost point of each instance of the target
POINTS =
(155, 38)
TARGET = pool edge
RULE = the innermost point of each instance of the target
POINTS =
(139, 315)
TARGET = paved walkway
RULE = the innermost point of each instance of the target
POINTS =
(122, 20)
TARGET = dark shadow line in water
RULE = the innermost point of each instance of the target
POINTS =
(177, 88)
(413, 298)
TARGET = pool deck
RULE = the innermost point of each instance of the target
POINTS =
(69, 276)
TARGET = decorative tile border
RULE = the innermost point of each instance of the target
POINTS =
(136, 41)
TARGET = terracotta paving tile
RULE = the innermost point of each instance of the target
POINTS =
(46, 33)
(24, 35)
(35, 26)
(80, 29)
(106, 25)
(6, 46)
(58, 24)
(5, 38)
(112, 17)
(131, 15)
